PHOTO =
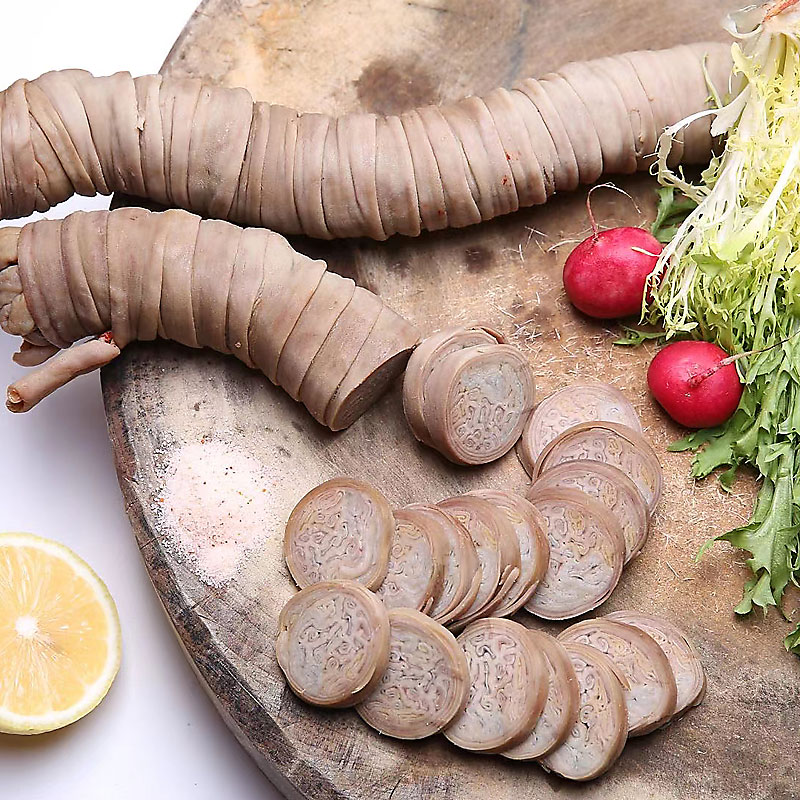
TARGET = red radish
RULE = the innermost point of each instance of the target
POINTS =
(605, 275)
(696, 383)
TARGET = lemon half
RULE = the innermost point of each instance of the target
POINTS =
(60, 640)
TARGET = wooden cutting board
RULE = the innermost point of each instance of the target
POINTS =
(212, 458)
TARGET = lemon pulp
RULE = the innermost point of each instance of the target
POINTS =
(60, 642)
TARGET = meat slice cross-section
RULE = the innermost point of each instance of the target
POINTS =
(341, 530)
(497, 548)
(416, 563)
(462, 570)
(333, 643)
(573, 405)
(508, 686)
(425, 359)
(531, 530)
(690, 677)
(598, 737)
(426, 683)
(587, 551)
(613, 488)
(477, 401)
(608, 443)
(560, 711)
(651, 693)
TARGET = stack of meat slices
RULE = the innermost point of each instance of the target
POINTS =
(466, 563)
(479, 555)
(559, 553)
(569, 703)
(467, 394)
(597, 481)
(340, 646)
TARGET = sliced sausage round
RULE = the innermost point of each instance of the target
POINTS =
(333, 643)
(572, 405)
(560, 710)
(612, 444)
(426, 683)
(508, 686)
(462, 571)
(341, 530)
(477, 401)
(416, 563)
(651, 693)
(613, 488)
(690, 678)
(497, 548)
(587, 552)
(424, 360)
(534, 551)
(598, 737)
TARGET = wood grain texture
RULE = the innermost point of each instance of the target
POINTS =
(387, 56)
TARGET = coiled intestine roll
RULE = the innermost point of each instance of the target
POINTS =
(136, 275)
(212, 150)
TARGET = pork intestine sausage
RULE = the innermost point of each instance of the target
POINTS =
(683, 658)
(477, 402)
(531, 530)
(600, 731)
(509, 684)
(462, 572)
(139, 275)
(608, 443)
(423, 361)
(613, 488)
(560, 709)
(340, 530)
(498, 552)
(573, 405)
(587, 552)
(212, 150)
(415, 575)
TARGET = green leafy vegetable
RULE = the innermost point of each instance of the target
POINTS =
(634, 336)
(672, 212)
(730, 273)
(792, 641)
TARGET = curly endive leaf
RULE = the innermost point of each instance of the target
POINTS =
(633, 337)
(731, 274)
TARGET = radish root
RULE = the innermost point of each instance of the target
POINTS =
(214, 151)
(592, 221)
(695, 380)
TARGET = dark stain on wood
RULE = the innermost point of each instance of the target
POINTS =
(478, 258)
(541, 313)
(391, 87)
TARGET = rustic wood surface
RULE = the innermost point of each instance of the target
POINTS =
(386, 56)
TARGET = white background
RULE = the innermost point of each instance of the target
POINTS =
(156, 735)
